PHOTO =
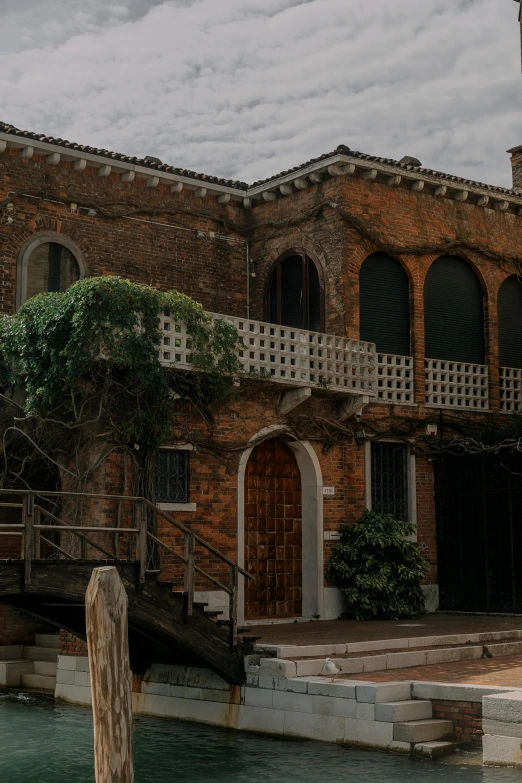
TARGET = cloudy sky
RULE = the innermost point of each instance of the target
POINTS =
(246, 88)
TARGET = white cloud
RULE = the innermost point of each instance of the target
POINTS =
(246, 88)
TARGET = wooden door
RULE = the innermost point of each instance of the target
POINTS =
(273, 532)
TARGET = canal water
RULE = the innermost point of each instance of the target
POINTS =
(48, 742)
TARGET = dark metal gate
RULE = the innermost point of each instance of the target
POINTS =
(479, 532)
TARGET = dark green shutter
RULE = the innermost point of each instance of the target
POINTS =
(510, 323)
(384, 295)
(55, 267)
(453, 312)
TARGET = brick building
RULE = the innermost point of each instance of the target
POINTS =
(378, 300)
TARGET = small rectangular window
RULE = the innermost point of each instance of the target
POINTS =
(172, 476)
(389, 479)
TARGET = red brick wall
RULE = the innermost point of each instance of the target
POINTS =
(71, 645)
(340, 222)
(17, 627)
(466, 717)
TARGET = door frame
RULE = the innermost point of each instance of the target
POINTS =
(312, 518)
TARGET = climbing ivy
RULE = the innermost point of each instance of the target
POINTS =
(378, 570)
(88, 357)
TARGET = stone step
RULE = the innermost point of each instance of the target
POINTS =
(34, 653)
(11, 652)
(47, 640)
(47, 668)
(11, 672)
(400, 711)
(423, 730)
(388, 661)
(465, 640)
(436, 749)
(38, 682)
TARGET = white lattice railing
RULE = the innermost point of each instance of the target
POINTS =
(510, 390)
(287, 355)
(395, 379)
(457, 385)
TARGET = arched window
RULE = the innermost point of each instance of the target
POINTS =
(51, 267)
(384, 300)
(48, 262)
(510, 323)
(453, 312)
(294, 294)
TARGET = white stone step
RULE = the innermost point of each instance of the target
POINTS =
(34, 653)
(379, 692)
(423, 730)
(47, 640)
(47, 668)
(11, 652)
(38, 681)
(436, 749)
(11, 672)
(322, 650)
(400, 711)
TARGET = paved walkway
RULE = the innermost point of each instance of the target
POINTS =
(503, 671)
(344, 631)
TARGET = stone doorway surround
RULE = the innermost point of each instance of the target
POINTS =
(312, 519)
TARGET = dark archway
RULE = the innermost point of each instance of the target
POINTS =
(294, 295)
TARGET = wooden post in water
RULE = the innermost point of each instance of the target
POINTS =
(107, 640)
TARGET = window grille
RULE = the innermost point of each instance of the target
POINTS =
(172, 476)
(389, 479)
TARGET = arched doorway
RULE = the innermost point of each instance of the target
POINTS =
(273, 532)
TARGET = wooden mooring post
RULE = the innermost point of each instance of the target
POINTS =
(107, 641)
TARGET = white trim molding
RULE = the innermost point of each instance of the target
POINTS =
(176, 506)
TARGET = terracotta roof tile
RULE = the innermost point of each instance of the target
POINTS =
(342, 149)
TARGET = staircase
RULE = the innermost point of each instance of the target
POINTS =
(393, 654)
(415, 730)
(166, 624)
(30, 666)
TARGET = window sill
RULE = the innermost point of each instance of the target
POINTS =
(176, 506)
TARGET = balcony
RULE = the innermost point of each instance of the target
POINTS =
(395, 379)
(510, 390)
(293, 357)
(457, 385)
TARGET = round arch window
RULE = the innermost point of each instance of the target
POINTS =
(50, 267)
(295, 294)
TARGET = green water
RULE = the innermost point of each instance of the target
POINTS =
(47, 742)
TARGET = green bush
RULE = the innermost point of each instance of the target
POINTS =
(378, 570)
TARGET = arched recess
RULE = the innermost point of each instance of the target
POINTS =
(453, 312)
(384, 302)
(47, 262)
(294, 293)
(312, 519)
(510, 323)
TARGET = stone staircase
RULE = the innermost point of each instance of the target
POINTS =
(415, 730)
(392, 654)
(30, 666)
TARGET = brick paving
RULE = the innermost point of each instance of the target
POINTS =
(344, 631)
(504, 671)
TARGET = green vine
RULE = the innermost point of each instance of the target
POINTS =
(82, 366)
